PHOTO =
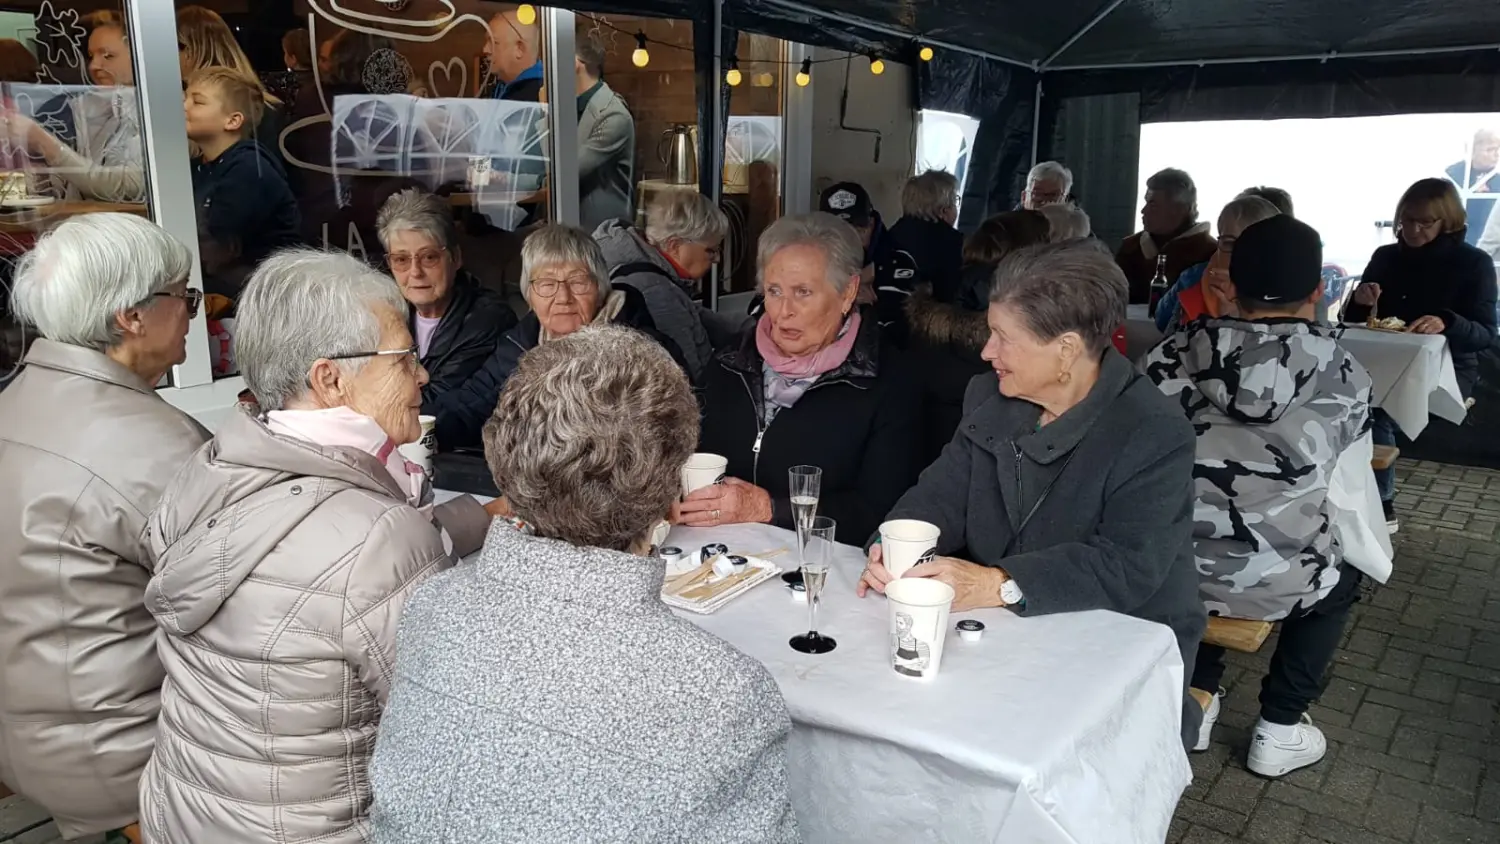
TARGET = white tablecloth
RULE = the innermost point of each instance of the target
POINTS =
(1048, 730)
(1413, 375)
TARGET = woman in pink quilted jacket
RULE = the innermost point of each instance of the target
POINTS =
(287, 547)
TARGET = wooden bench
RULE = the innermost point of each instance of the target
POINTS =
(1385, 457)
(1237, 634)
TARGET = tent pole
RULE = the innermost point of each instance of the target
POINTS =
(1036, 122)
(1306, 57)
(892, 31)
(1084, 30)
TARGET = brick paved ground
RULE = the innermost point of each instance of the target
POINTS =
(1414, 747)
(1413, 743)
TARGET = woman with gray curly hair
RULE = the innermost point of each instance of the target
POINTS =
(549, 671)
(813, 381)
(682, 241)
(566, 283)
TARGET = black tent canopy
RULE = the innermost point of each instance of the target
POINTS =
(1064, 35)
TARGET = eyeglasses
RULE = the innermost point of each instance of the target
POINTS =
(192, 298)
(412, 356)
(549, 287)
(429, 260)
(1420, 222)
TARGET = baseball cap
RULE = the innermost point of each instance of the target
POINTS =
(1279, 259)
(849, 202)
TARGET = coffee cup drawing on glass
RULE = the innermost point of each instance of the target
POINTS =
(905, 543)
(919, 609)
(703, 470)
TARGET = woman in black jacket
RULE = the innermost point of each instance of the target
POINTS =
(1437, 284)
(811, 383)
(948, 332)
(565, 281)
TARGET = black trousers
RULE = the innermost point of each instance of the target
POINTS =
(1305, 649)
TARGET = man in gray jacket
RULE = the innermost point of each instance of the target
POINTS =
(606, 141)
(1275, 402)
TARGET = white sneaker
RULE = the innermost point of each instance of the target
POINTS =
(1210, 718)
(1271, 757)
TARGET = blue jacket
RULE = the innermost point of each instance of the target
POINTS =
(1166, 309)
(244, 206)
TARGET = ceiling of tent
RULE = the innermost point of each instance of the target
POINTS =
(1178, 31)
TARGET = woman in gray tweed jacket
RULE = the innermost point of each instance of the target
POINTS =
(544, 693)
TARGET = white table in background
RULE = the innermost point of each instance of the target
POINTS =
(1413, 375)
(1048, 730)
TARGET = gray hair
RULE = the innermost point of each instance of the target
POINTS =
(1067, 221)
(418, 211)
(1176, 184)
(1051, 171)
(1062, 287)
(559, 244)
(685, 215)
(1246, 211)
(302, 305)
(835, 238)
(590, 435)
(930, 195)
(80, 275)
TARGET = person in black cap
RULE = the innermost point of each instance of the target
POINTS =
(890, 274)
(850, 202)
(1276, 403)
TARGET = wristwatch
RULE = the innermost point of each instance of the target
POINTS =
(1011, 594)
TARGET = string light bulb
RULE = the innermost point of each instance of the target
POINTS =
(640, 57)
(925, 54)
(877, 66)
(526, 14)
(804, 74)
(734, 77)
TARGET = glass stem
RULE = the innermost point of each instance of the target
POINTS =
(812, 608)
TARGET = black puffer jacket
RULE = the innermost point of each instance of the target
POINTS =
(462, 412)
(465, 337)
(946, 340)
(938, 249)
(1447, 278)
(861, 423)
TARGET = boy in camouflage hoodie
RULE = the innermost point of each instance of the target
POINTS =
(1275, 401)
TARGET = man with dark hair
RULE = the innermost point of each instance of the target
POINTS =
(1281, 410)
(606, 140)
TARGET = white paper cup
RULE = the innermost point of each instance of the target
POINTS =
(421, 451)
(702, 470)
(919, 608)
(905, 543)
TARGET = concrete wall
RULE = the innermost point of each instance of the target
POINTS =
(882, 103)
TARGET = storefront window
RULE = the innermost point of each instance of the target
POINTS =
(944, 141)
(752, 154)
(72, 139)
(356, 109)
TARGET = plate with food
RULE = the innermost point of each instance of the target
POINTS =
(1390, 325)
(19, 202)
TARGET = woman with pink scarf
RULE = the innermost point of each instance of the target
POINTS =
(811, 383)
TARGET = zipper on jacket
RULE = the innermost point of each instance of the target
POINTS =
(761, 426)
(1016, 449)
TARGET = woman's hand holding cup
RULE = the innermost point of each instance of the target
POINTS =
(733, 502)
(875, 575)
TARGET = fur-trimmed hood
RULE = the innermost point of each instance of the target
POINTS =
(945, 324)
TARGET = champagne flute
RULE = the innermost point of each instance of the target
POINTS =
(804, 483)
(817, 555)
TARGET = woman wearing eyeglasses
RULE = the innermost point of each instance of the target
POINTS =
(455, 321)
(285, 551)
(566, 282)
(86, 449)
(1437, 284)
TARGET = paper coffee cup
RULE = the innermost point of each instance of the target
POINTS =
(905, 543)
(918, 608)
(421, 451)
(702, 470)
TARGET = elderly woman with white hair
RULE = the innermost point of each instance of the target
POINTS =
(1170, 234)
(566, 283)
(1069, 482)
(86, 449)
(545, 693)
(1204, 290)
(456, 321)
(926, 230)
(683, 239)
(810, 383)
(286, 549)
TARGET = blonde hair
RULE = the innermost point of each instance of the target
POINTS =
(237, 93)
(1439, 197)
(930, 195)
(208, 42)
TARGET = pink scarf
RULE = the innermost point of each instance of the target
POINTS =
(797, 372)
(341, 427)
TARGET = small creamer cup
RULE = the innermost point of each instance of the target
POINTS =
(919, 609)
(907, 542)
(702, 470)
